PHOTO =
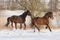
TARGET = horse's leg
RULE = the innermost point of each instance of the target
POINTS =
(20, 25)
(24, 26)
(34, 28)
(16, 25)
(46, 27)
(12, 24)
(37, 28)
(49, 27)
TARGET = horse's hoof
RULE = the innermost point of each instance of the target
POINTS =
(34, 31)
(5, 25)
(20, 27)
(50, 30)
(39, 31)
(46, 27)
(16, 28)
(24, 29)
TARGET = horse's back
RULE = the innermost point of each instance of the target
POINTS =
(40, 20)
(16, 19)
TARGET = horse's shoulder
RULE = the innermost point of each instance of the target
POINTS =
(36, 17)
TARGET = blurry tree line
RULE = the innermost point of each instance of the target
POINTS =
(32, 5)
(35, 6)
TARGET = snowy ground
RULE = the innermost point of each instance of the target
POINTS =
(29, 35)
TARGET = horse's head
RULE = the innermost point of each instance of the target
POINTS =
(50, 14)
(28, 13)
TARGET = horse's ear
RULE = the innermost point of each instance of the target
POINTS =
(27, 10)
(50, 12)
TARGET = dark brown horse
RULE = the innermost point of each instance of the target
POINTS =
(18, 19)
(42, 21)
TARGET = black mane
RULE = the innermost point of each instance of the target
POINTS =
(24, 14)
(47, 14)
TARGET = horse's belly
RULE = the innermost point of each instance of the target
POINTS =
(18, 21)
(42, 22)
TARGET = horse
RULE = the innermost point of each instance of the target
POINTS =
(42, 21)
(18, 19)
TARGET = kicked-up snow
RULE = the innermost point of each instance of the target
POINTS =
(29, 35)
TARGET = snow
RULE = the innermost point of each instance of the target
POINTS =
(29, 35)
(14, 12)
(28, 20)
(53, 21)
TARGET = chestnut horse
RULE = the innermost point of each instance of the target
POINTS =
(42, 21)
(18, 19)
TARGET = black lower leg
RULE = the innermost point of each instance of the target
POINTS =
(49, 28)
(12, 24)
(20, 26)
(46, 27)
(15, 25)
(24, 26)
(37, 28)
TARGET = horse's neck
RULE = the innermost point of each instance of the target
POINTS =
(23, 16)
(46, 17)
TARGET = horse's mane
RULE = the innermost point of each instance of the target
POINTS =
(47, 14)
(24, 14)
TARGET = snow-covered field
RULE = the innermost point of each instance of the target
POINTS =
(29, 35)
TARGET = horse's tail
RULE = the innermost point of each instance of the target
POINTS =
(8, 21)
